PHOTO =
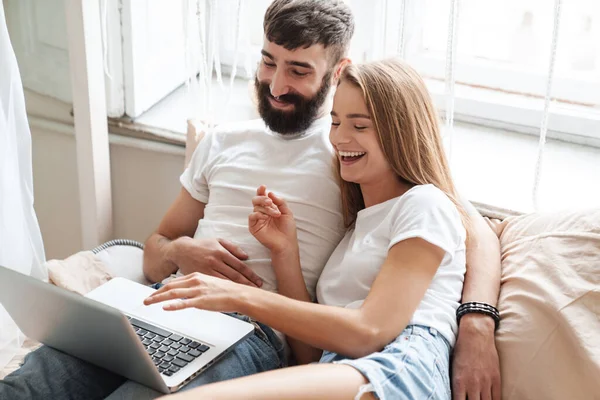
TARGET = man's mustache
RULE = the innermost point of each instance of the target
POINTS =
(290, 98)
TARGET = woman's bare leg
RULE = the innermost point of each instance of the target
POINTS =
(306, 382)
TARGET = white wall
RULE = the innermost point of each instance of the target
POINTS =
(144, 180)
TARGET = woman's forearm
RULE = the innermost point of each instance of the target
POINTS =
(290, 283)
(288, 272)
(336, 329)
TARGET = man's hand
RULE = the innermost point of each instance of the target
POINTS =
(214, 257)
(475, 363)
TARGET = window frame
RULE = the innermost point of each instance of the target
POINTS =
(487, 93)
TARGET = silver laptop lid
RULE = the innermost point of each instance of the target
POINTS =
(77, 326)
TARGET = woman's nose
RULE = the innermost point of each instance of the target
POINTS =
(338, 136)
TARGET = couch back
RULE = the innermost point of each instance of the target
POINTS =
(549, 336)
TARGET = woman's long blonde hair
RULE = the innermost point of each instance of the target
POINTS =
(407, 126)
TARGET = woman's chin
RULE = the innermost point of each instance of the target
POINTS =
(350, 178)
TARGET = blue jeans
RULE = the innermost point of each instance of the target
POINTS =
(49, 374)
(416, 365)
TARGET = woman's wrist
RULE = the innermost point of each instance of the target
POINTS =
(289, 252)
(245, 299)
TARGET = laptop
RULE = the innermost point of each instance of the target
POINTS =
(111, 328)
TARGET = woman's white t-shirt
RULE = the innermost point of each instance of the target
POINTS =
(425, 212)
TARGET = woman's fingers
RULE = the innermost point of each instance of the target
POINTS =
(280, 203)
(261, 191)
(276, 199)
(257, 216)
(180, 282)
(264, 201)
(271, 212)
(180, 305)
(171, 295)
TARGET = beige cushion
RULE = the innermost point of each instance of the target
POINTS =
(195, 133)
(196, 128)
(549, 337)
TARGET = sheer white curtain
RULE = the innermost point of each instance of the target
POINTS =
(384, 28)
(21, 245)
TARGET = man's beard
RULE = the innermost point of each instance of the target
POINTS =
(297, 120)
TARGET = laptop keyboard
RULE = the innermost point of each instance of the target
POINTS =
(169, 352)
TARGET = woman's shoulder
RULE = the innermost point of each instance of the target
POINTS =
(427, 211)
(425, 197)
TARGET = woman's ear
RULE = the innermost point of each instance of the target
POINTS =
(340, 68)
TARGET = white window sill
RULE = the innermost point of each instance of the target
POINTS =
(491, 166)
(172, 113)
(496, 167)
(518, 113)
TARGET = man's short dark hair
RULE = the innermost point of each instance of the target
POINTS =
(297, 24)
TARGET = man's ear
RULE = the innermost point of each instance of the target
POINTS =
(339, 68)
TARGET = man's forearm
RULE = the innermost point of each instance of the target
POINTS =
(482, 280)
(158, 261)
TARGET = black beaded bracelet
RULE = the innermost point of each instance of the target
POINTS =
(480, 308)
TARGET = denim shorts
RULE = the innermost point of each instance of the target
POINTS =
(415, 366)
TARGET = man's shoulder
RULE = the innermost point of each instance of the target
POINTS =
(230, 134)
(240, 127)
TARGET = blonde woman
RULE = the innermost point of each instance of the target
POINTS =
(389, 293)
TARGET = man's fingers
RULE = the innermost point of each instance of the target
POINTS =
(233, 275)
(243, 273)
(474, 395)
(458, 390)
(486, 393)
(497, 390)
(219, 275)
(232, 258)
(233, 249)
(458, 394)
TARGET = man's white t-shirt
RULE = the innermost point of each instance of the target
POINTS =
(231, 162)
(423, 211)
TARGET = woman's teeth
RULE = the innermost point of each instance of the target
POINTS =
(351, 155)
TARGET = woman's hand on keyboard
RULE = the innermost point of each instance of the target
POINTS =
(199, 291)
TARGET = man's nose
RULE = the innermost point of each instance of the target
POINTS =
(278, 85)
